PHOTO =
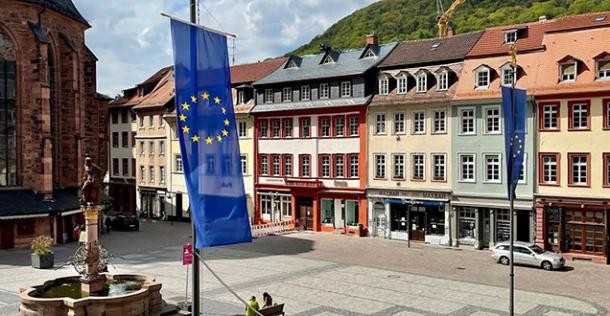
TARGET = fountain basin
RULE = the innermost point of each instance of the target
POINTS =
(125, 294)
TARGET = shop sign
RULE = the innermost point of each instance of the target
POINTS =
(187, 254)
(413, 194)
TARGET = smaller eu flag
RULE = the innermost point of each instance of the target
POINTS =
(513, 108)
(208, 136)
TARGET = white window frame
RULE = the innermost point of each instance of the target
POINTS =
(583, 110)
(507, 35)
(461, 168)
(461, 121)
(268, 95)
(380, 125)
(508, 71)
(242, 129)
(241, 95)
(369, 54)
(552, 115)
(161, 174)
(401, 84)
(324, 90)
(545, 164)
(346, 89)
(602, 74)
(443, 81)
(523, 180)
(276, 165)
(486, 117)
(417, 122)
(444, 122)
(399, 123)
(380, 166)
(422, 83)
(178, 163)
(435, 165)
(582, 166)
(398, 167)
(352, 166)
(384, 85)
(415, 165)
(305, 93)
(287, 94)
(567, 77)
(305, 166)
(486, 164)
(477, 79)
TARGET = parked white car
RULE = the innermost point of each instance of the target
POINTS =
(527, 254)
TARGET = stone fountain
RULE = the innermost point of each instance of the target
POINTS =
(93, 293)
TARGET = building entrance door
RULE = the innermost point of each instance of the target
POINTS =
(523, 225)
(418, 223)
(178, 206)
(7, 235)
(305, 213)
(379, 220)
(486, 227)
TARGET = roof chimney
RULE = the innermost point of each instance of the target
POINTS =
(372, 39)
(449, 31)
(542, 18)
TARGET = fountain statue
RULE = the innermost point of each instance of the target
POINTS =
(93, 292)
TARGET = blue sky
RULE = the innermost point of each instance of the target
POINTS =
(132, 40)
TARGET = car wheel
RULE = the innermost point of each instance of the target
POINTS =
(504, 260)
(547, 265)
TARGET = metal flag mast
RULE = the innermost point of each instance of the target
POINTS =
(511, 193)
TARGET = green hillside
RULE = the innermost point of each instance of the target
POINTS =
(403, 20)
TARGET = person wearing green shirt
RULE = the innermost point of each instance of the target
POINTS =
(252, 307)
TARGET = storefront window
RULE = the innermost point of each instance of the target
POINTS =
(585, 231)
(351, 213)
(552, 226)
(286, 207)
(398, 213)
(502, 225)
(266, 206)
(467, 223)
(328, 211)
(436, 220)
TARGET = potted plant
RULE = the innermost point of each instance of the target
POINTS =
(42, 255)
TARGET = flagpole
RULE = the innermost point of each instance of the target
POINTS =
(511, 304)
(196, 304)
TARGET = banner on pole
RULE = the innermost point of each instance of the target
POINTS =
(187, 254)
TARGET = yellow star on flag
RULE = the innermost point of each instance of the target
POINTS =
(224, 111)
(217, 100)
(195, 138)
(182, 117)
(219, 138)
(209, 140)
(205, 95)
(193, 99)
(225, 133)
(185, 106)
(226, 122)
(185, 129)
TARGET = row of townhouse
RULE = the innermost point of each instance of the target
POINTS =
(405, 140)
(146, 175)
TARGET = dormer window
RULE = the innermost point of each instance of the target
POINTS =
(268, 95)
(369, 54)
(508, 76)
(384, 85)
(603, 69)
(422, 82)
(291, 64)
(482, 77)
(287, 94)
(241, 97)
(327, 59)
(402, 83)
(568, 72)
(443, 81)
(510, 37)
(140, 92)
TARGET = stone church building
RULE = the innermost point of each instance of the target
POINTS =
(50, 117)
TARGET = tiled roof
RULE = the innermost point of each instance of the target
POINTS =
(161, 92)
(65, 7)
(345, 63)
(433, 50)
(246, 73)
(492, 40)
(305, 105)
(577, 22)
(27, 202)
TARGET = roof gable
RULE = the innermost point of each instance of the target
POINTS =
(248, 73)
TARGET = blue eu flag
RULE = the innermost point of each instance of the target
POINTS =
(208, 137)
(513, 108)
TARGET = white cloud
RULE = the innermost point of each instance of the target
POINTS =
(132, 40)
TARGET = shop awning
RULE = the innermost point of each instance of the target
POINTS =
(415, 202)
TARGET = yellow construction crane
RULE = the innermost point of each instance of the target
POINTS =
(444, 18)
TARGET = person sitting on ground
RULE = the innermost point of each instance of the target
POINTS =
(252, 306)
(267, 300)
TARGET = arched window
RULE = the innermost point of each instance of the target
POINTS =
(55, 127)
(8, 138)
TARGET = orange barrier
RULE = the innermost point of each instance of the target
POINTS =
(272, 228)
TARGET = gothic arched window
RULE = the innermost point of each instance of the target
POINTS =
(8, 137)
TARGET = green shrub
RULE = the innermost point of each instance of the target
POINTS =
(42, 245)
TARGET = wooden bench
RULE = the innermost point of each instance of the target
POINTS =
(275, 310)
